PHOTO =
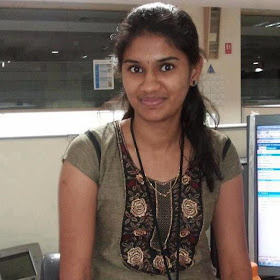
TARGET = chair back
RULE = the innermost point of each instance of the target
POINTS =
(50, 266)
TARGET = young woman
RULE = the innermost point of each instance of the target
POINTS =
(141, 210)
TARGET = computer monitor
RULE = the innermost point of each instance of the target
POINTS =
(263, 157)
(21, 262)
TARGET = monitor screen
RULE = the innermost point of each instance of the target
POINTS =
(268, 194)
(16, 266)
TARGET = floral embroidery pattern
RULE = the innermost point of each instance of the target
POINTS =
(184, 232)
(138, 222)
(189, 208)
(135, 256)
(139, 232)
(186, 179)
(158, 263)
(138, 207)
(140, 178)
(184, 257)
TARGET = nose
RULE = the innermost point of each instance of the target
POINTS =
(151, 82)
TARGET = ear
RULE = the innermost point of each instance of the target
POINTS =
(196, 71)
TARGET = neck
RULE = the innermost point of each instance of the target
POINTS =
(157, 135)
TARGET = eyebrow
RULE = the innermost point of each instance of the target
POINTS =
(160, 60)
(130, 61)
(168, 58)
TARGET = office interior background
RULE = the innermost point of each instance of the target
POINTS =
(47, 91)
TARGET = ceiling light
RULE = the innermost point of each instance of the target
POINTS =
(255, 63)
(84, 56)
(258, 69)
(261, 24)
(55, 52)
(272, 24)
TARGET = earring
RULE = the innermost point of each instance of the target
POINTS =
(194, 83)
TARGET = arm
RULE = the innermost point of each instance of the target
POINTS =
(77, 214)
(229, 229)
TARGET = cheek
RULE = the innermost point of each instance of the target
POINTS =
(129, 87)
(180, 86)
(129, 84)
(125, 82)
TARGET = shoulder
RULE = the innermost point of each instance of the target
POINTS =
(82, 140)
(105, 132)
(101, 133)
(82, 153)
(227, 155)
(218, 137)
(220, 141)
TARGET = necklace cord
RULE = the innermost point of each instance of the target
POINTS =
(152, 206)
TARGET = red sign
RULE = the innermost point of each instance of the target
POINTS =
(228, 49)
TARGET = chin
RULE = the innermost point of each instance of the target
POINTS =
(157, 117)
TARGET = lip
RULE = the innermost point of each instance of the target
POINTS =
(152, 101)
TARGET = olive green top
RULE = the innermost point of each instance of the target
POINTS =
(109, 261)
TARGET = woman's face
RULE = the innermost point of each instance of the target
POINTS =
(156, 77)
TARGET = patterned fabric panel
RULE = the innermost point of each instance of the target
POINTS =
(139, 241)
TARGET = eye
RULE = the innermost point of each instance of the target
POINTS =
(167, 67)
(135, 69)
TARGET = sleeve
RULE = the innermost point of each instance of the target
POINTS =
(81, 154)
(230, 165)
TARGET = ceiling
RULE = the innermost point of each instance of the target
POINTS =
(80, 4)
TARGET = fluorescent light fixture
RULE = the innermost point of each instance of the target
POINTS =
(3, 64)
(272, 24)
(261, 24)
(55, 52)
(255, 63)
(258, 69)
(84, 56)
(9, 61)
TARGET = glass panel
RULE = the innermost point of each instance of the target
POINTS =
(260, 59)
(46, 57)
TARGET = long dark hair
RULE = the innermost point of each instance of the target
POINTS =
(176, 25)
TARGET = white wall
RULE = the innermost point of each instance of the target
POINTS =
(93, 4)
(229, 65)
(29, 170)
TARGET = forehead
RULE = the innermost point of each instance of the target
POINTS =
(151, 46)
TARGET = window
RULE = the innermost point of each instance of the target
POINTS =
(260, 57)
(46, 57)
